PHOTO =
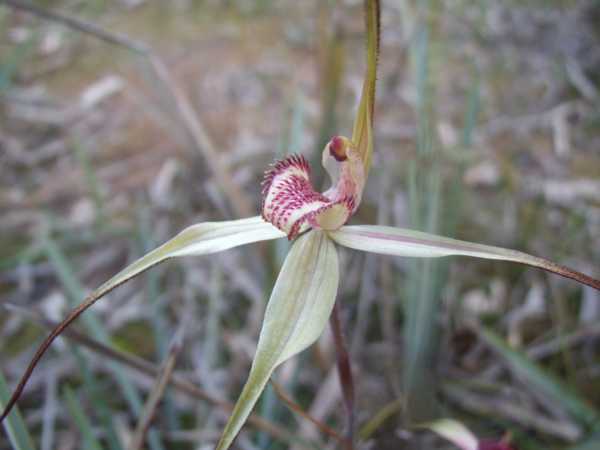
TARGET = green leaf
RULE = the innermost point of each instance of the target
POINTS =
(297, 313)
(403, 242)
(542, 380)
(198, 239)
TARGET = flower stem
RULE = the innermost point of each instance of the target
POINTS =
(344, 371)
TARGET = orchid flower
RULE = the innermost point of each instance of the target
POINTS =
(305, 291)
(464, 438)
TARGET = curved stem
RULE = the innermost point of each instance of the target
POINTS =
(57, 331)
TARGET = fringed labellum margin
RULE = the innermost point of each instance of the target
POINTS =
(290, 202)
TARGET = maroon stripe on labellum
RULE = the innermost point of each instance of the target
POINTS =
(278, 167)
(286, 186)
(290, 202)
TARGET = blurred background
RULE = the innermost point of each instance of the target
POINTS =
(118, 131)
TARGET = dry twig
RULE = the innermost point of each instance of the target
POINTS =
(158, 390)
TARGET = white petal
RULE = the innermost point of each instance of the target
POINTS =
(196, 240)
(211, 237)
(402, 242)
(200, 239)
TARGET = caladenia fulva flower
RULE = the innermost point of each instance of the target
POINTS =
(305, 291)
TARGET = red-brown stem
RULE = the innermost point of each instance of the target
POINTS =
(57, 331)
(147, 369)
(41, 350)
(344, 371)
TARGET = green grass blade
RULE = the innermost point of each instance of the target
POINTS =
(95, 392)
(83, 423)
(592, 443)
(14, 426)
(10, 65)
(425, 280)
(75, 291)
(158, 318)
(93, 185)
(472, 109)
(543, 381)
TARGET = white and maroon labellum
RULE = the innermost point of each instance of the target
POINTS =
(291, 203)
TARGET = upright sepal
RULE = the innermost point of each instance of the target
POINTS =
(362, 133)
(297, 313)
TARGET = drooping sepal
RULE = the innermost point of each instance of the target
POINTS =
(296, 315)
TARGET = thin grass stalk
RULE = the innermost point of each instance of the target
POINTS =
(296, 408)
(95, 191)
(344, 372)
(90, 442)
(14, 425)
(379, 419)
(158, 390)
(561, 394)
(92, 387)
(502, 410)
(159, 315)
(49, 411)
